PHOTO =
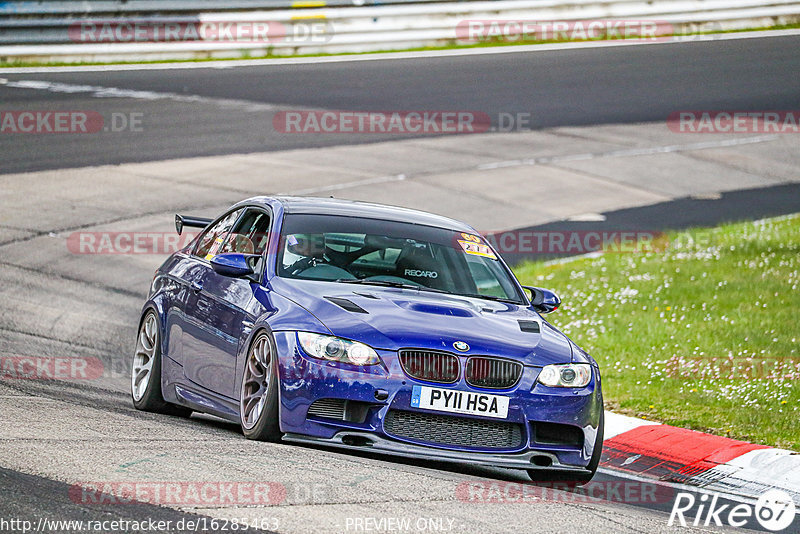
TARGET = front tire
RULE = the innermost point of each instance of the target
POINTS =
(258, 399)
(146, 371)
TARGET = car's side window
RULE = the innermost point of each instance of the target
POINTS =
(211, 241)
(250, 235)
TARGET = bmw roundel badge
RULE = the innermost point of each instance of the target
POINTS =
(461, 346)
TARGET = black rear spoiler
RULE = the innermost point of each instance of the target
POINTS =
(194, 222)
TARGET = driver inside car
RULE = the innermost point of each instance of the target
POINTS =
(312, 259)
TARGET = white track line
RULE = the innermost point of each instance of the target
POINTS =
(97, 91)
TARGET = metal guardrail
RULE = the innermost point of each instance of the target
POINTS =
(47, 21)
(84, 8)
(47, 37)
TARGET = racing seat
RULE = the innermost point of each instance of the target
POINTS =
(419, 265)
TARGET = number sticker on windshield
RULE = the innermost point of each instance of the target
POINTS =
(477, 249)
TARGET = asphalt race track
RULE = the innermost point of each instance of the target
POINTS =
(202, 112)
(55, 434)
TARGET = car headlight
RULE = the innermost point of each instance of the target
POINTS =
(336, 349)
(571, 375)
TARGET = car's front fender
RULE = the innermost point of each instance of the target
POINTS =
(282, 315)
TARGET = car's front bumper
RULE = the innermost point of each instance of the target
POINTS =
(304, 380)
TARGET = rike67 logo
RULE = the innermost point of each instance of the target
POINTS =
(774, 511)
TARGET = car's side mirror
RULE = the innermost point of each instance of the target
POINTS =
(233, 265)
(543, 300)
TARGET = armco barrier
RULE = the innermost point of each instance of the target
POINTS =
(53, 33)
(84, 8)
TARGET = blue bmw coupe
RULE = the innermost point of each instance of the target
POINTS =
(372, 327)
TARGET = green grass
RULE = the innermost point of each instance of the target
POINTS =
(679, 333)
(452, 46)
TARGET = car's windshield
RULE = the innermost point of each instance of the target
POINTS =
(370, 251)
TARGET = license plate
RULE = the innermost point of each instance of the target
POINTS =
(466, 402)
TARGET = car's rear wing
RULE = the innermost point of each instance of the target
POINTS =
(187, 220)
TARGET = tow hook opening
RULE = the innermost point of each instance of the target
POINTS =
(542, 461)
(357, 441)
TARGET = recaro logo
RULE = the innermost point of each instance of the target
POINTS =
(421, 274)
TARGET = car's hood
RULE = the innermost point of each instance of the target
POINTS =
(392, 319)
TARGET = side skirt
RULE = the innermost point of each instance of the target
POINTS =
(207, 402)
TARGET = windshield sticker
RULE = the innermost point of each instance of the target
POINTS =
(477, 249)
(470, 237)
(291, 240)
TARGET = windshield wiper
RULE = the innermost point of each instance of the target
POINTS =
(388, 283)
(489, 297)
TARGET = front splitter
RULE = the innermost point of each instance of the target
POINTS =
(366, 442)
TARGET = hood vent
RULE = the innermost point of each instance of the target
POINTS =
(348, 305)
(531, 327)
